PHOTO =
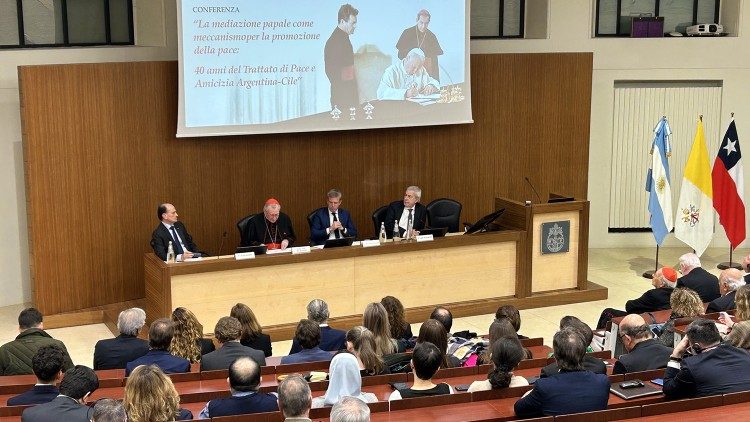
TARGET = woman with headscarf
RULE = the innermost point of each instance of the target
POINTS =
(344, 380)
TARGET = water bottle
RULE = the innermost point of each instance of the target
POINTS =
(170, 253)
(382, 233)
(396, 233)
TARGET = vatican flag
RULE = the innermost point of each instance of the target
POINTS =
(694, 223)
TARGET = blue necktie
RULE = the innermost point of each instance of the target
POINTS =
(177, 246)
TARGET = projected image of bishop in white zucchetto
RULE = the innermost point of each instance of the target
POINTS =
(407, 78)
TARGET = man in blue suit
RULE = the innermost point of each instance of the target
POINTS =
(70, 406)
(572, 389)
(47, 364)
(307, 335)
(331, 339)
(159, 338)
(407, 211)
(331, 222)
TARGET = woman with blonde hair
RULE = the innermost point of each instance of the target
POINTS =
(685, 303)
(188, 341)
(742, 305)
(252, 332)
(740, 335)
(375, 319)
(150, 396)
(361, 343)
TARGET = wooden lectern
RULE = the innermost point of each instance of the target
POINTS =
(551, 271)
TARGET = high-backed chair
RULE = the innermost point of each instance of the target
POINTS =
(242, 227)
(444, 212)
(310, 223)
(378, 217)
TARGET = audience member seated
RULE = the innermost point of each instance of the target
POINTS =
(244, 382)
(510, 312)
(252, 332)
(730, 280)
(432, 331)
(740, 335)
(115, 353)
(375, 319)
(742, 302)
(350, 409)
(109, 410)
(47, 364)
(361, 343)
(307, 336)
(696, 278)
(295, 399)
(400, 328)
(331, 339)
(343, 380)
(685, 303)
(506, 354)
(500, 328)
(228, 331)
(188, 341)
(16, 356)
(708, 368)
(444, 316)
(656, 299)
(589, 362)
(425, 362)
(70, 406)
(644, 351)
(150, 396)
(573, 389)
(159, 338)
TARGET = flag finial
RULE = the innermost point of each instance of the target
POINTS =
(732, 114)
(700, 117)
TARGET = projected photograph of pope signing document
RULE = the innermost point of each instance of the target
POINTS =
(252, 67)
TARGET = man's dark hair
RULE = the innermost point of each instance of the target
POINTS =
(511, 313)
(244, 375)
(307, 334)
(426, 359)
(160, 334)
(703, 331)
(569, 348)
(29, 318)
(294, 396)
(444, 316)
(161, 210)
(228, 329)
(109, 410)
(578, 325)
(345, 11)
(636, 331)
(47, 363)
(78, 381)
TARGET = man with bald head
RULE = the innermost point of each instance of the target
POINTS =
(644, 351)
(272, 228)
(694, 277)
(407, 78)
(730, 280)
(244, 382)
(172, 230)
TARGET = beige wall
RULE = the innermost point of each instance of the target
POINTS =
(570, 29)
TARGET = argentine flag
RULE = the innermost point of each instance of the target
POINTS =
(657, 183)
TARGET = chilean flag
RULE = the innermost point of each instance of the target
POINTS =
(728, 187)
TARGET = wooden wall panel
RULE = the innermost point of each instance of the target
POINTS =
(100, 155)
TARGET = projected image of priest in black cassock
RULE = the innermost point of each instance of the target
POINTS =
(339, 60)
(419, 36)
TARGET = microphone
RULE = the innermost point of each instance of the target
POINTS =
(534, 189)
(221, 245)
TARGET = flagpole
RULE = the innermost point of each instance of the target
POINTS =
(650, 274)
(730, 264)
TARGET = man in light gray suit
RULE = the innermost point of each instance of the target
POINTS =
(228, 331)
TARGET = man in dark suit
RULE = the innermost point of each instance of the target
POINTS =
(331, 339)
(656, 299)
(307, 336)
(228, 331)
(331, 222)
(115, 353)
(272, 228)
(406, 211)
(589, 362)
(730, 280)
(573, 389)
(644, 351)
(710, 367)
(244, 381)
(77, 384)
(47, 363)
(694, 277)
(159, 338)
(171, 230)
